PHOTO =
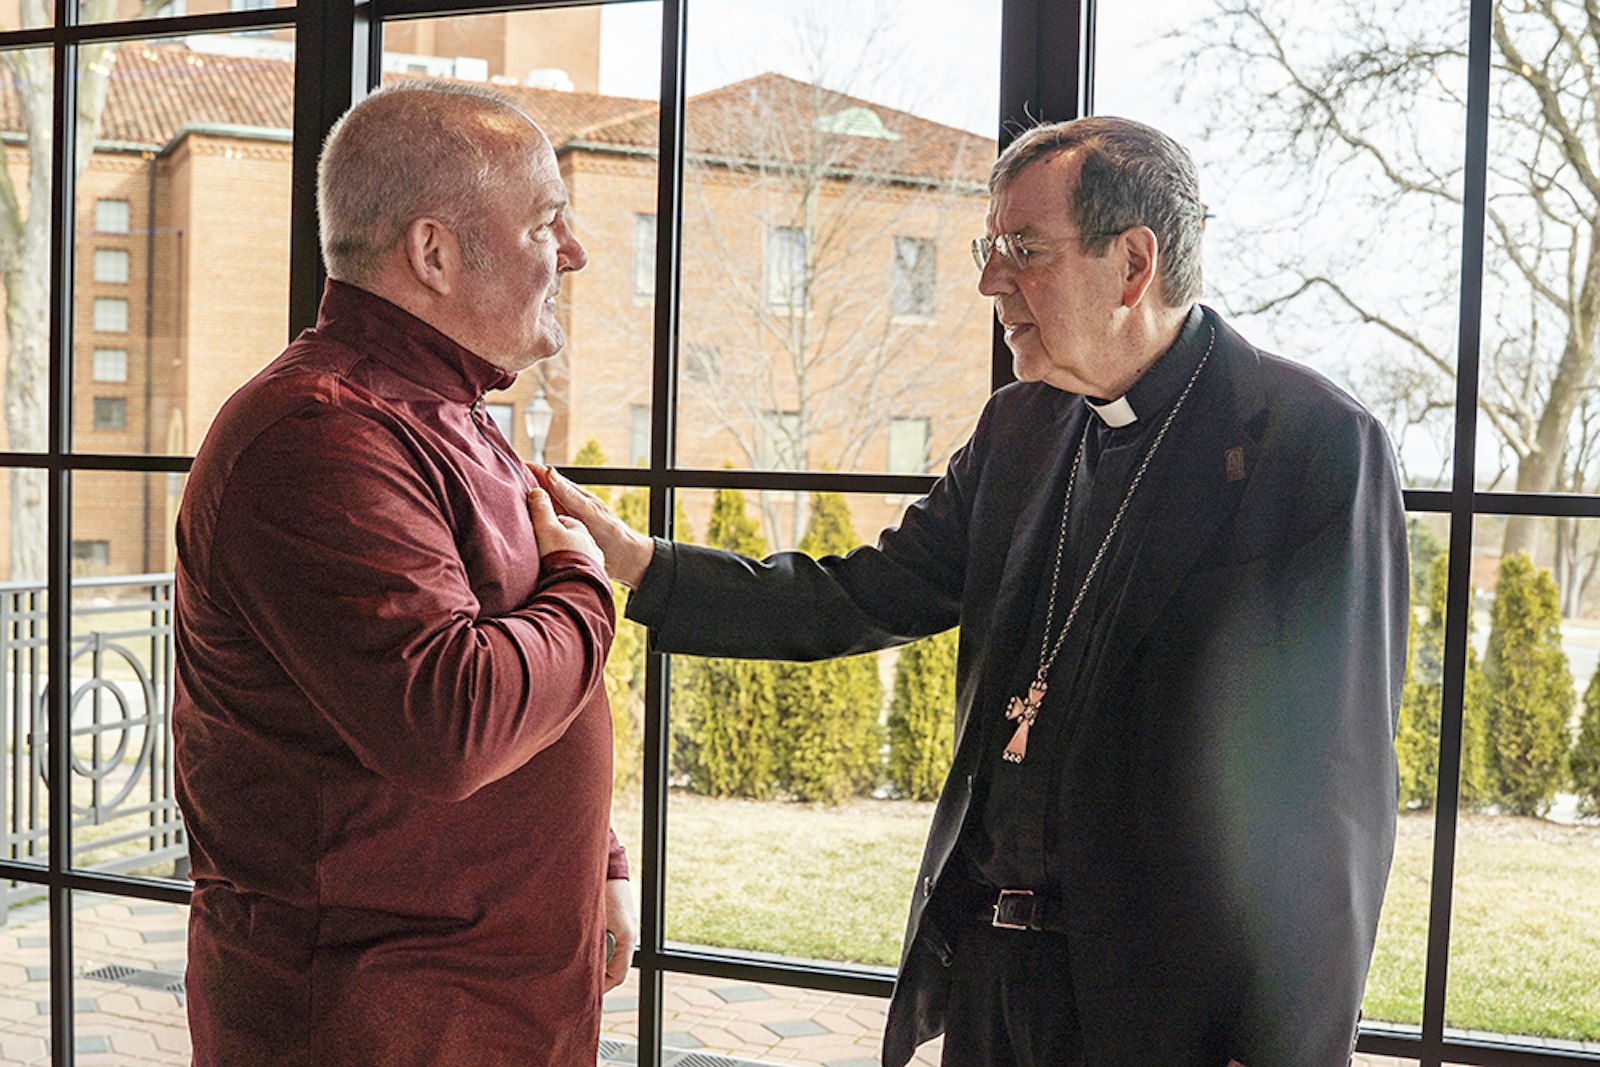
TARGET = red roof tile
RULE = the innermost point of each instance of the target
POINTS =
(156, 89)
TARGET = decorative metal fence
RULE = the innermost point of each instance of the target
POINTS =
(124, 812)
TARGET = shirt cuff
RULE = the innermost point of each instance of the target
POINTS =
(616, 860)
(647, 604)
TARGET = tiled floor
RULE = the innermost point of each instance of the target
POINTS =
(126, 1014)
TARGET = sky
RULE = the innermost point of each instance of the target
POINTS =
(937, 58)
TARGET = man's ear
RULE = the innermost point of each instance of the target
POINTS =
(1141, 253)
(433, 253)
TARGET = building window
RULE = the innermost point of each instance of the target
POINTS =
(913, 276)
(638, 435)
(91, 553)
(110, 265)
(110, 315)
(110, 365)
(111, 216)
(644, 255)
(786, 266)
(908, 446)
(110, 413)
(780, 447)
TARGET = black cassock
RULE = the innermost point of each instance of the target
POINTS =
(1220, 816)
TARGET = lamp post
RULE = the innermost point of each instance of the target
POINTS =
(536, 418)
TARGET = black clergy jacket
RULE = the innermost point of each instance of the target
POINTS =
(1224, 820)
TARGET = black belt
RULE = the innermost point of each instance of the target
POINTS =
(1023, 909)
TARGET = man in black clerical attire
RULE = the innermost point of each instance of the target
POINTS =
(1179, 569)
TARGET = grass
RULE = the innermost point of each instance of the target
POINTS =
(833, 884)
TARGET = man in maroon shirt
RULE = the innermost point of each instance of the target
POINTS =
(393, 744)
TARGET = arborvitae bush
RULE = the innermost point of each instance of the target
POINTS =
(725, 711)
(1529, 689)
(922, 716)
(1417, 736)
(1584, 762)
(830, 737)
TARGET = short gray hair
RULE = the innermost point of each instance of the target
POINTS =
(407, 151)
(1131, 175)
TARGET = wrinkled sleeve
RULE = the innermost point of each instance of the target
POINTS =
(1309, 781)
(708, 602)
(335, 546)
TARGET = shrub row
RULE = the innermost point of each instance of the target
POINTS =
(1517, 750)
(815, 732)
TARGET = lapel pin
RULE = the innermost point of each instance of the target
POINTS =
(1233, 460)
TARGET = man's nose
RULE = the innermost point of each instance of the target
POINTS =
(995, 278)
(572, 255)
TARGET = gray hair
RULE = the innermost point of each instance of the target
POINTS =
(409, 150)
(1131, 175)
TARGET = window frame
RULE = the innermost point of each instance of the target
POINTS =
(1047, 69)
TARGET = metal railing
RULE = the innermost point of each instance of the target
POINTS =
(124, 811)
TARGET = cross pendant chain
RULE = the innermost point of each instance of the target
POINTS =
(1025, 708)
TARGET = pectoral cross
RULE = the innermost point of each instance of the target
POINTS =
(1025, 709)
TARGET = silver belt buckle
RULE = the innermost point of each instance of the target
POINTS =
(995, 922)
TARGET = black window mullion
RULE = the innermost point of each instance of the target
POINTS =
(663, 495)
(1458, 605)
(58, 567)
(331, 71)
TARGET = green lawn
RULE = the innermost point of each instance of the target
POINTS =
(833, 884)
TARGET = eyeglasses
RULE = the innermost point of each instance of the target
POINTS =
(1015, 250)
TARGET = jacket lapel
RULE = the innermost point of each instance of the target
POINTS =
(1197, 487)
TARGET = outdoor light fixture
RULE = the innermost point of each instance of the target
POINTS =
(536, 418)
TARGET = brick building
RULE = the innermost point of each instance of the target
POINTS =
(829, 317)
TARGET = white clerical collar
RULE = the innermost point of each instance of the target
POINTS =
(1116, 413)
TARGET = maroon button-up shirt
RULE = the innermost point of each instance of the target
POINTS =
(393, 744)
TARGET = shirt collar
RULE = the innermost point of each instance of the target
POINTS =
(1159, 386)
(404, 343)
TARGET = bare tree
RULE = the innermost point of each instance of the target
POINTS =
(1361, 111)
(25, 256)
(810, 351)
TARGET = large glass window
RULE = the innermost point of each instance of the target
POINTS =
(823, 342)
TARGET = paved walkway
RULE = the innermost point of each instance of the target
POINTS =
(130, 1012)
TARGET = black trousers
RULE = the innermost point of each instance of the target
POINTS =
(1011, 1002)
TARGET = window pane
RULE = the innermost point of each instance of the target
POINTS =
(644, 255)
(110, 265)
(808, 804)
(24, 630)
(110, 315)
(785, 268)
(831, 167)
(127, 988)
(188, 187)
(1329, 143)
(125, 816)
(16, 16)
(110, 413)
(25, 975)
(1523, 942)
(110, 365)
(551, 63)
(25, 343)
(1539, 339)
(1395, 980)
(111, 216)
(93, 11)
(913, 289)
(908, 446)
